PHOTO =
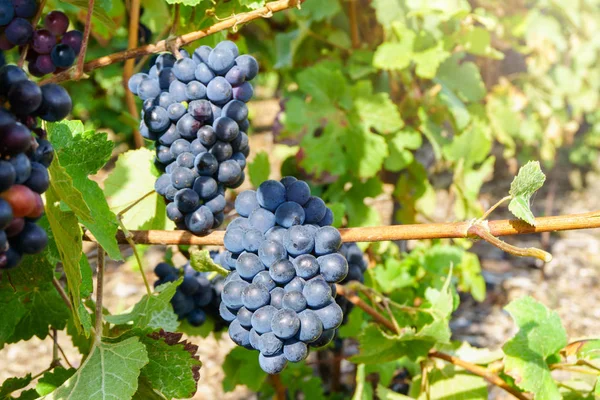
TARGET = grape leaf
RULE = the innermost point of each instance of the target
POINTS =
(64, 189)
(450, 382)
(324, 84)
(540, 335)
(473, 145)
(241, 368)
(153, 312)
(377, 346)
(83, 153)
(298, 378)
(201, 261)
(588, 349)
(100, 10)
(173, 367)
(259, 169)
(389, 11)
(384, 393)
(110, 371)
(366, 152)
(13, 384)
(319, 11)
(53, 379)
(529, 179)
(321, 154)
(133, 177)
(393, 56)
(67, 236)
(378, 112)
(463, 79)
(429, 60)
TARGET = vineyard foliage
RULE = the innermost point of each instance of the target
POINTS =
(420, 102)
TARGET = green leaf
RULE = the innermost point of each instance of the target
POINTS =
(53, 379)
(393, 56)
(529, 179)
(99, 12)
(366, 153)
(13, 384)
(540, 335)
(153, 312)
(399, 157)
(428, 61)
(201, 261)
(463, 79)
(384, 393)
(363, 390)
(473, 145)
(241, 368)
(67, 236)
(477, 40)
(452, 383)
(259, 169)
(377, 346)
(322, 154)
(378, 112)
(83, 153)
(317, 11)
(133, 177)
(287, 45)
(389, 11)
(323, 83)
(173, 367)
(63, 186)
(299, 380)
(110, 371)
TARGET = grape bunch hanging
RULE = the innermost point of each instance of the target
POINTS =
(53, 48)
(195, 109)
(24, 160)
(280, 297)
(198, 296)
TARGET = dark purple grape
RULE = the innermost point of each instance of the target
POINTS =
(10, 75)
(44, 64)
(43, 41)
(24, 97)
(56, 22)
(25, 8)
(31, 240)
(56, 103)
(63, 55)
(14, 139)
(73, 39)
(19, 31)
(7, 12)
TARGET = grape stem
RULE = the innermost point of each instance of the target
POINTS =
(486, 230)
(161, 46)
(86, 37)
(380, 319)
(132, 42)
(278, 386)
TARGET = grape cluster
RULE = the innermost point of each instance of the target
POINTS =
(195, 109)
(197, 297)
(14, 22)
(357, 265)
(52, 48)
(280, 297)
(24, 159)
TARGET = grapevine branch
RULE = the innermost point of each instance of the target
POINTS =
(486, 230)
(489, 376)
(99, 293)
(132, 42)
(84, 43)
(178, 41)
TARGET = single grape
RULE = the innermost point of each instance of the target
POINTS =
(182, 178)
(176, 111)
(201, 110)
(289, 214)
(262, 219)
(261, 319)
(188, 126)
(157, 119)
(270, 194)
(327, 219)
(6, 214)
(219, 90)
(299, 240)
(306, 266)
(165, 78)
(173, 212)
(10, 75)
(317, 293)
(233, 242)
(206, 164)
(63, 55)
(201, 54)
(169, 136)
(187, 200)
(244, 92)
(236, 110)
(195, 90)
(272, 364)
(265, 279)
(282, 271)
(184, 69)
(19, 31)
(196, 148)
(44, 64)
(7, 12)
(232, 294)
(331, 315)
(56, 22)
(165, 60)
(252, 240)
(73, 39)
(239, 334)
(240, 143)
(177, 90)
(296, 284)
(327, 240)
(235, 76)
(276, 234)
(39, 179)
(315, 210)
(205, 186)
(25, 8)
(298, 192)
(285, 323)
(221, 59)
(277, 297)
(229, 172)
(14, 138)
(196, 317)
(189, 285)
(226, 313)
(255, 296)
(244, 317)
(311, 326)
(295, 350)
(248, 64)
(43, 41)
(44, 154)
(294, 301)
(22, 167)
(25, 97)
(333, 267)
(180, 146)
(203, 73)
(8, 175)
(221, 150)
